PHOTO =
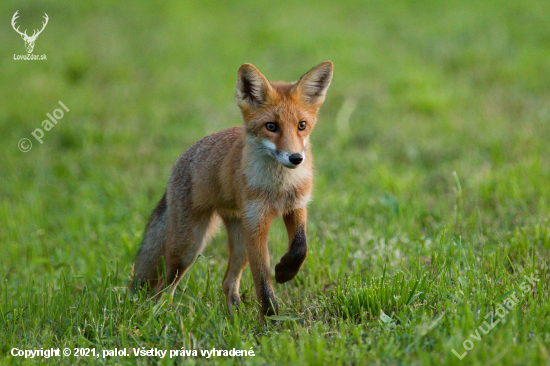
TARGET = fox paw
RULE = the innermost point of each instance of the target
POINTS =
(286, 269)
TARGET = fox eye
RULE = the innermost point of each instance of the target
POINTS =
(271, 126)
(302, 125)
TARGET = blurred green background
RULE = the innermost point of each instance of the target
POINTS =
(437, 122)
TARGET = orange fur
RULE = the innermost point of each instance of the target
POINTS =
(244, 177)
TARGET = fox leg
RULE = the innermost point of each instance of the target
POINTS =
(237, 262)
(187, 237)
(255, 227)
(293, 259)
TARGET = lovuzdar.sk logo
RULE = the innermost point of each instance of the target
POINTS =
(29, 40)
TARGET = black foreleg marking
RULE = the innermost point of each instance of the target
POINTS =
(269, 304)
(291, 262)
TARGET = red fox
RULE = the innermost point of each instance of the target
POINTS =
(244, 177)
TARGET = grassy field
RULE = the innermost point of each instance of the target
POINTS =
(432, 188)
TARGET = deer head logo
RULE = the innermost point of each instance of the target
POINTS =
(29, 41)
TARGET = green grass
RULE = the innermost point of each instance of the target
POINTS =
(432, 191)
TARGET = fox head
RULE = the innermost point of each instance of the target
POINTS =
(278, 117)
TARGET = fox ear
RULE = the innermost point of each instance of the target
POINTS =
(252, 87)
(312, 87)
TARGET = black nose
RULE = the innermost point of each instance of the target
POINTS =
(295, 159)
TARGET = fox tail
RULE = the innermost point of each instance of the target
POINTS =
(148, 261)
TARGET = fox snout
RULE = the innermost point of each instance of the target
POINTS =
(290, 161)
(283, 157)
(295, 159)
